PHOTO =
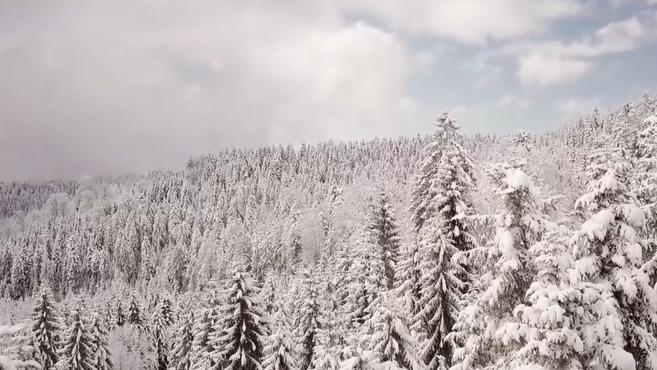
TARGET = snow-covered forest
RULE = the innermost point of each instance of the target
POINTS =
(444, 252)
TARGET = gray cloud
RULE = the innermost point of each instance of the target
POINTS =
(113, 87)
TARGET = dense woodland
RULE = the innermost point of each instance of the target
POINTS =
(448, 251)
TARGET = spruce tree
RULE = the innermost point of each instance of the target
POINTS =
(100, 344)
(444, 238)
(45, 330)
(391, 341)
(610, 253)
(546, 324)
(120, 315)
(238, 344)
(307, 321)
(367, 284)
(409, 274)
(203, 331)
(181, 355)
(279, 352)
(518, 227)
(385, 233)
(424, 192)
(160, 324)
(134, 313)
(77, 350)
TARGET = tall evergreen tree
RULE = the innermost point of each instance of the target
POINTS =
(307, 320)
(546, 326)
(385, 232)
(424, 192)
(279, 353)
(444, 237)
(134, 312)
(120, 315)
(391, 341)
(181, 355)
(45, 330)
(100, 344)
(610, 253)
(518, 227)
(239, 342)
(160, 324)
(77, 350)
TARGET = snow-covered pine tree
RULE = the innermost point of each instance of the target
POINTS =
(307, 320)
(444, 237)
(409, 278)
(385, 232)
(518, 227)
(167, 311)
(77, 348)
(331, 337)
(423, 193)
(238, 344)
(366, 279)
(645, 175)
(100, 344)
(279, 352)
(161, 321)
(609, 256)
(120, 315)
(45, 330)
(546, 323)
(391, 342)
(268, 292)
(181, 355)
(134, 312)
(201, 347)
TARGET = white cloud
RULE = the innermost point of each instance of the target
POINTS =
(554, 62)
(513, 102)
(576, 107)
(468, 21)
(545, 70)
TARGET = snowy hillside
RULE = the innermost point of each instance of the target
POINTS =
(450, 251)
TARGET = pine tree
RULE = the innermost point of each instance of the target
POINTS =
(45, 330)
(410, 280)
(167, 311)
(307, 321)
(366, 280)
(444, 237)
(518, 227)
(423, 193)
(77, 351)
(160, 322)
(239, 341)
(391, 342)
(203, 331)
(100, 344)
(134, 313)
(182, 350)
(610, 253)
(279, 353)
(546, 327)
(120, 315)
(384, 230)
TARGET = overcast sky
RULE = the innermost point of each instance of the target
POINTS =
(106, 87)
